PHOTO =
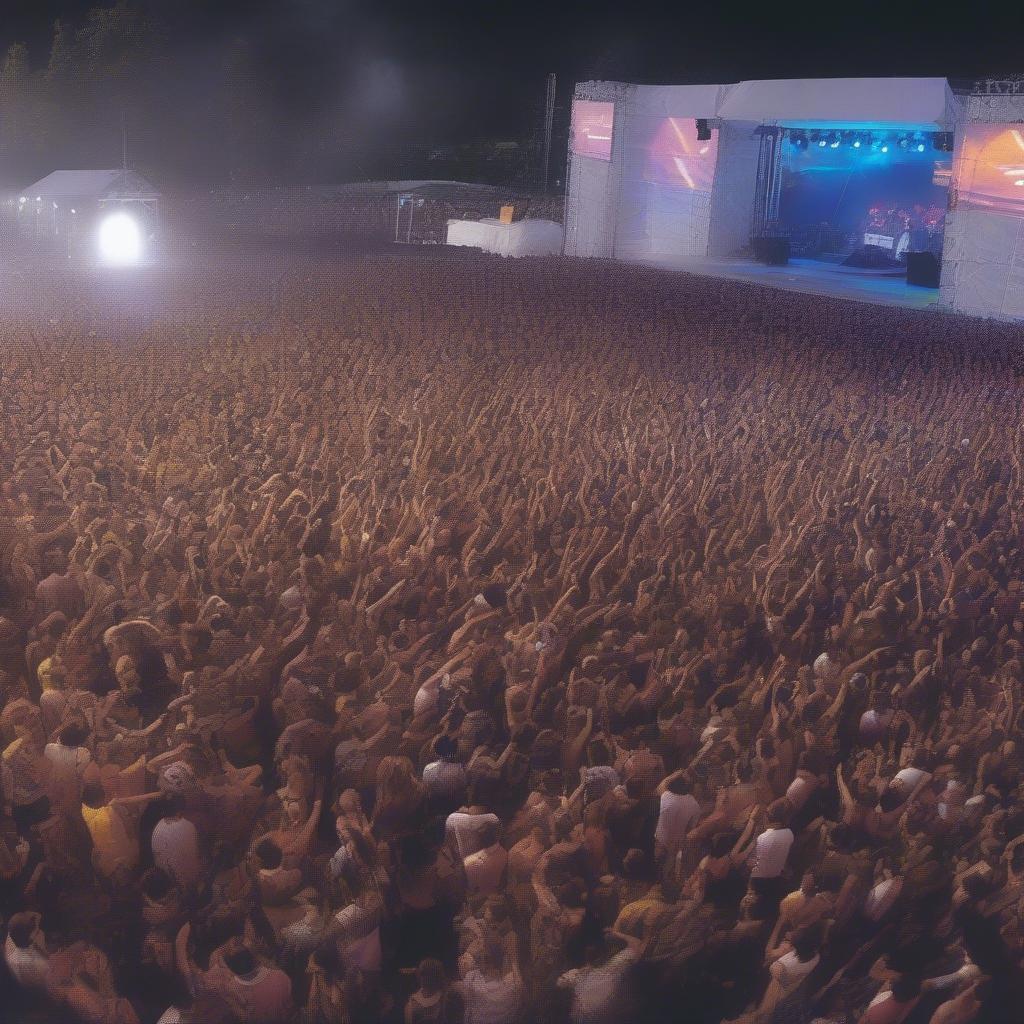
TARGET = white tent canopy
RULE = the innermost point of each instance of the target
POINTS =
(882, 102)
(101, 186)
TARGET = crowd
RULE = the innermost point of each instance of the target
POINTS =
(482, 642)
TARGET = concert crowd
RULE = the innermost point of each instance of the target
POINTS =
(489, 642)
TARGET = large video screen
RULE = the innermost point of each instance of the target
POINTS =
(990, 168)
(677, 157)
(592, 124)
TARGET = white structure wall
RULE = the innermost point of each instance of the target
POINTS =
(732, 201)
(617, 207)
(591, 207)
(983, 255)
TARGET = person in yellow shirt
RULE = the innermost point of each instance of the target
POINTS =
(114, 828)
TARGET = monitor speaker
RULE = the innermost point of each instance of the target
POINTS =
(703, 130)
(923, 269)
(773, 251)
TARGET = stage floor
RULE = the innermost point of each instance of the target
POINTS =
(812, 277)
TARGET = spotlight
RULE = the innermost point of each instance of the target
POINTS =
(920, 147)
(1020, 182)
(120, 241)
(822, 143)
(885, 147)
(856, 143)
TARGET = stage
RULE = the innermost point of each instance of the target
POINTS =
(813, 277)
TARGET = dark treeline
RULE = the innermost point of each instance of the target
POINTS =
(194, 109)
(261, 96)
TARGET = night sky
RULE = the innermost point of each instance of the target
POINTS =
(450, 71)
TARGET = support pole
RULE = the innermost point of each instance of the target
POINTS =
(549, 120)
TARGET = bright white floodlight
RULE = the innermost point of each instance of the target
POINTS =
(120, 239)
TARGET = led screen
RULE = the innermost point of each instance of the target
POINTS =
(990, 169)
(676, 156)
(592, 128)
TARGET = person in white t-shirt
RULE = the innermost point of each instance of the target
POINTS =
(894, 1004)
(771, 849)
(465, 829)
(493, 990)
(175, 844)
(25, 954)
(597, 996)
(882, 896)
(445, 779)
(789, 970)
(677, 813)
(770, 854)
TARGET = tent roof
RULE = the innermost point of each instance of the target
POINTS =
(680, 100)
(883, 102)
(112, 184)
(669, 100)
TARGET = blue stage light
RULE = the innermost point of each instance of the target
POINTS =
(920, 147)
(856, 143)
(885, 148)
(822, 143)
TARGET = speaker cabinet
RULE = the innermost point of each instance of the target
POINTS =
(923, 269)
(773, 251)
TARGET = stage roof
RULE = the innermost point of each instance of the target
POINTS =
(844, 102)
(670, 100)
(99, 185)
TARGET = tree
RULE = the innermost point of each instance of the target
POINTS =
(21, 111)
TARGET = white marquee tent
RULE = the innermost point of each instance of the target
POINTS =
(107, 186)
